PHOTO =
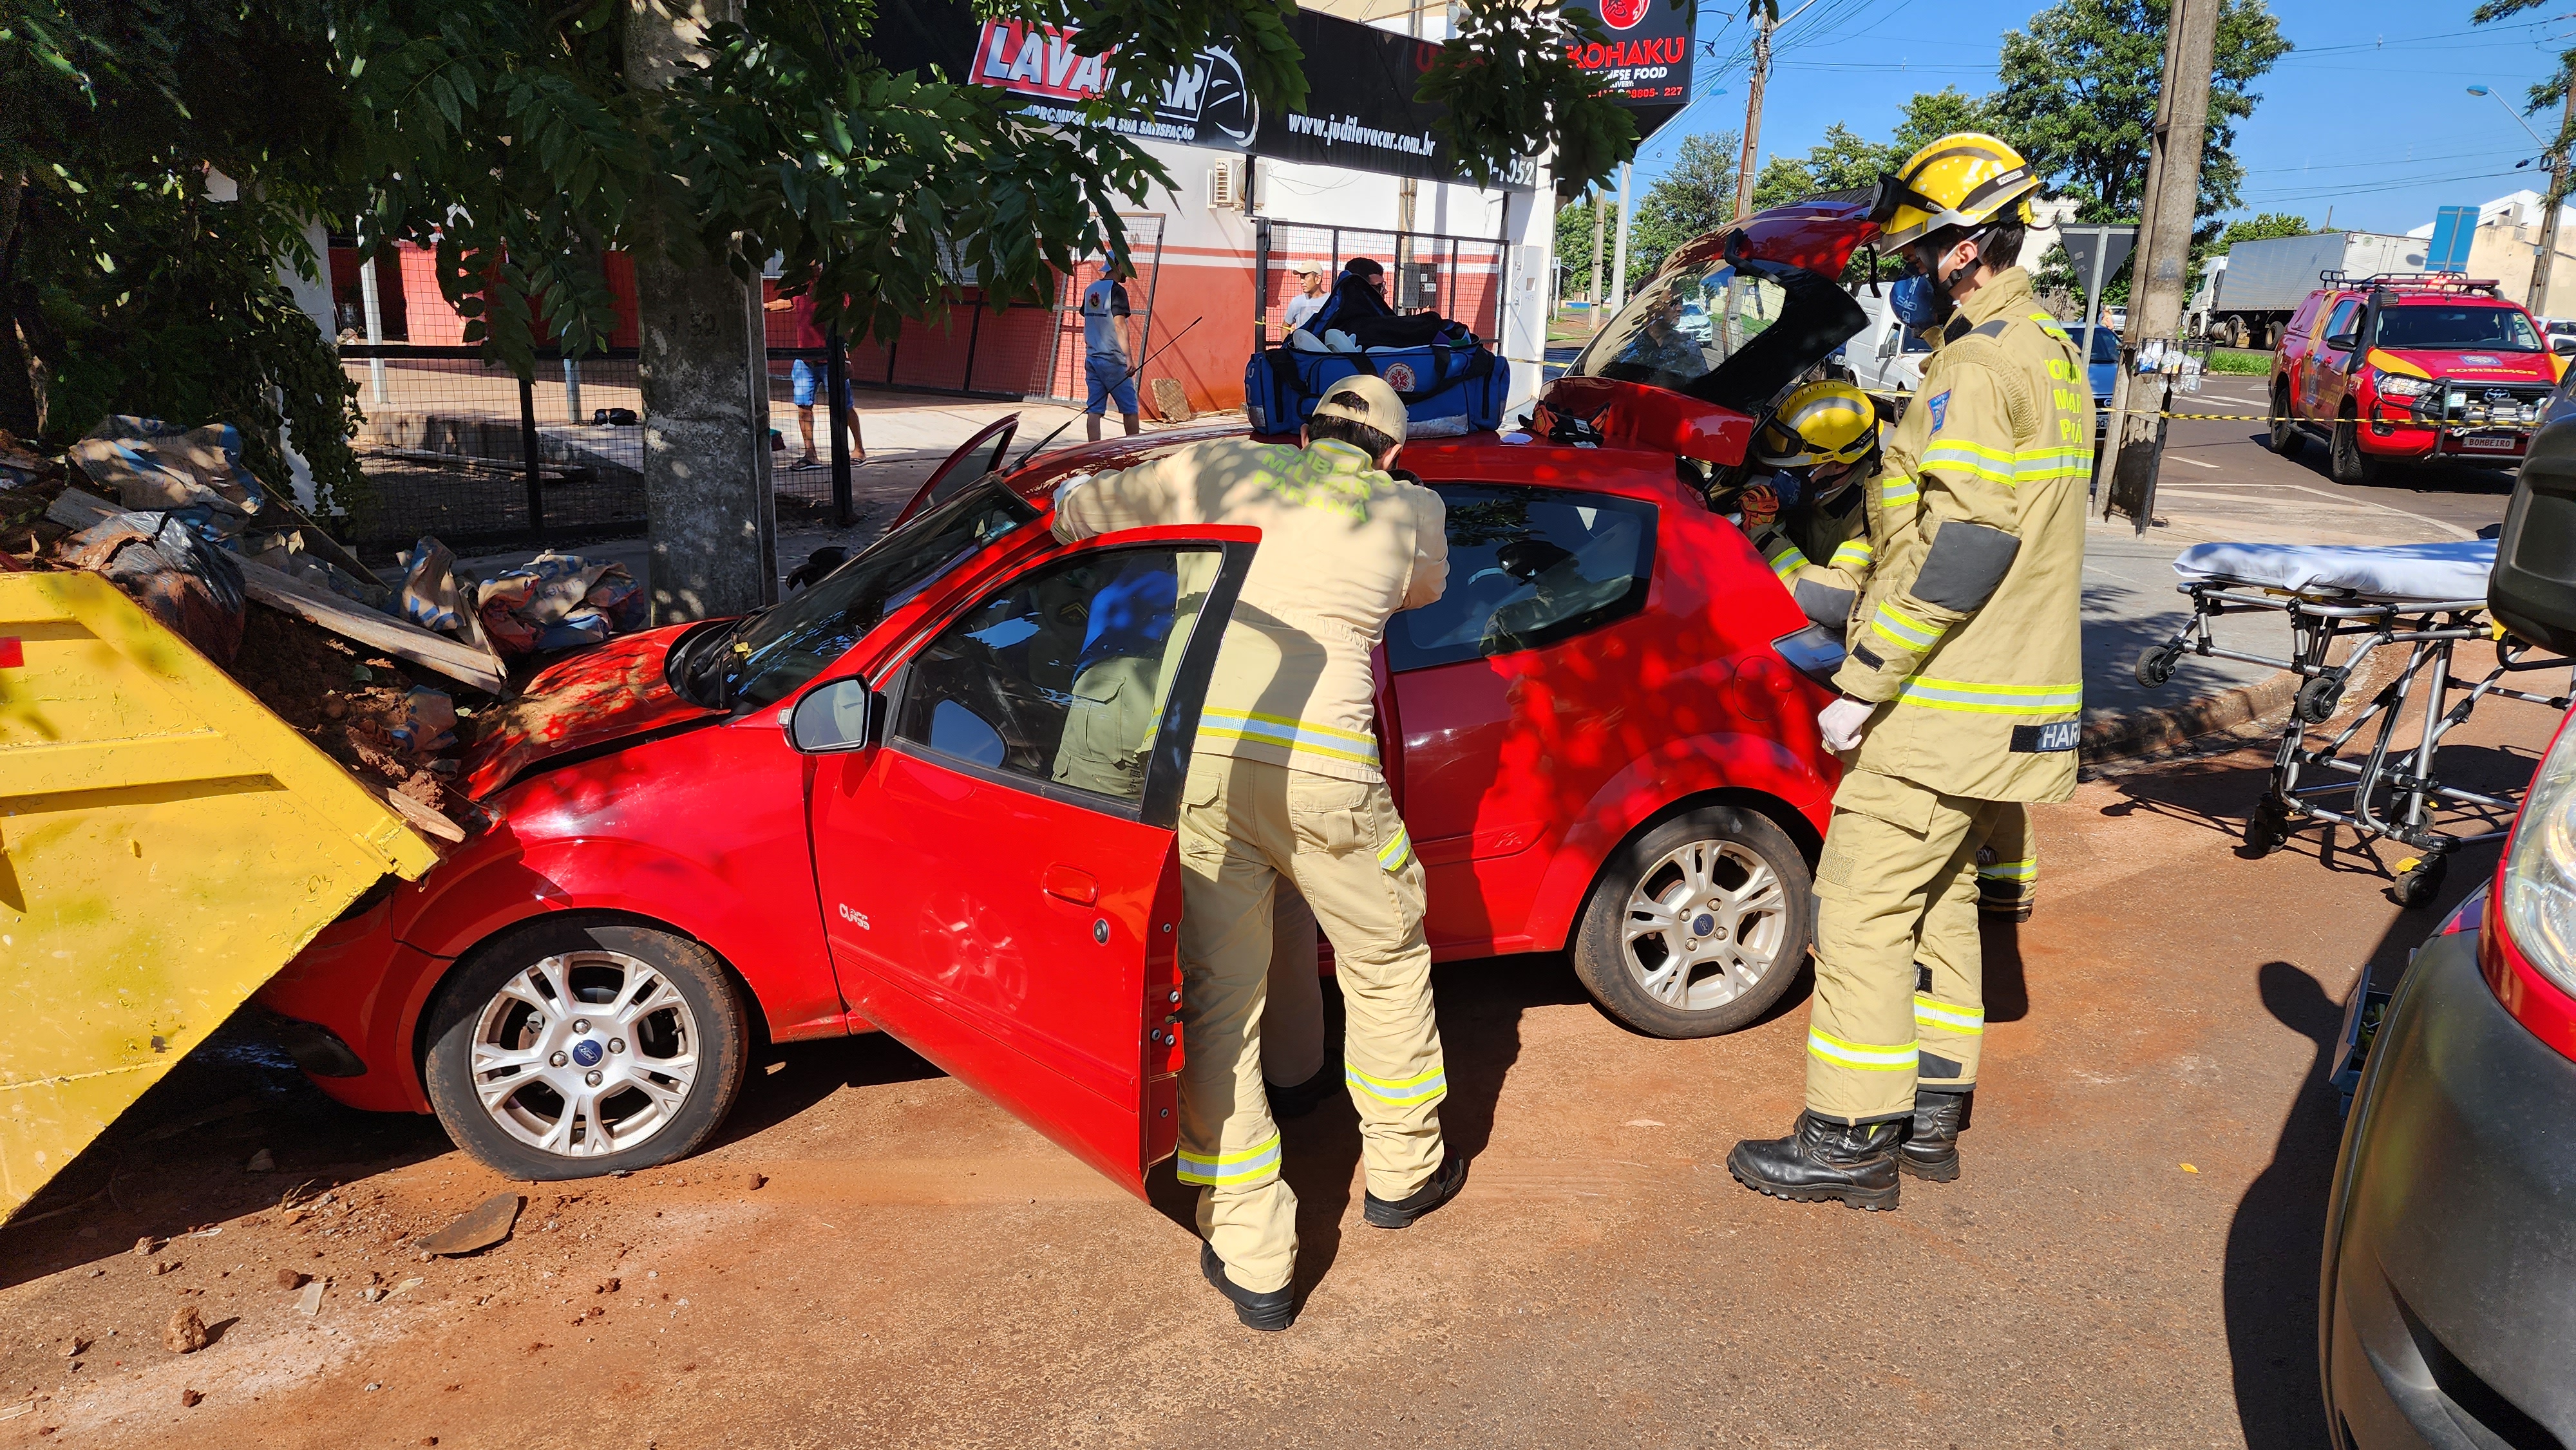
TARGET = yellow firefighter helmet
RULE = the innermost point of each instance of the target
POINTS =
(1965, 179)
(1822, 422)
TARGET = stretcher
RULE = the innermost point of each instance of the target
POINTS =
(2424, 598)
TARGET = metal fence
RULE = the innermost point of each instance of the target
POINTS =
(1461, 278)
(459, 448)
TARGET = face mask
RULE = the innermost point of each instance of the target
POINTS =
(1916, 302)
(1789, 486)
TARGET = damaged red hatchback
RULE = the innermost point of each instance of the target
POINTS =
(935, 793)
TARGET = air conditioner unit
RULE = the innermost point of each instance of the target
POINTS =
(1225, 187)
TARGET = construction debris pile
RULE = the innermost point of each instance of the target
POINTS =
(388, 679)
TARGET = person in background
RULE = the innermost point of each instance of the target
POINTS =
(1310, 295)
(805, 376)
(1107, 362)
(1361, 292)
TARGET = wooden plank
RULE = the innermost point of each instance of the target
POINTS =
(76, 510)
(458, 661)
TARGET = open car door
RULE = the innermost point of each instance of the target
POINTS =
(994, 826)
(958, 471)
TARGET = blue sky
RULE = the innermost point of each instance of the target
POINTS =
(2370, 115)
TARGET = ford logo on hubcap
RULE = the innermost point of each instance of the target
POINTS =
(586, 1053)
(1703, 925)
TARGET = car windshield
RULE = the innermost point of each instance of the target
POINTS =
(2503, 329)
(764, 657)
(1730, 332)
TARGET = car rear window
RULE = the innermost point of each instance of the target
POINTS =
(2502, 329)
(1527, 567)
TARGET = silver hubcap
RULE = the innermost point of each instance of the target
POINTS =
(585, 1054)
(1705, 924)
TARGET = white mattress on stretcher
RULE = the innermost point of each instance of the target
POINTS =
(2447, 570)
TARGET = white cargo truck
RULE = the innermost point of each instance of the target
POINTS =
(2264, 282)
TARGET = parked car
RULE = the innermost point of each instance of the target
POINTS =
(2101, 349)
(904, 800)
(1886, 357)
(2448, 1307)
(2407, 368)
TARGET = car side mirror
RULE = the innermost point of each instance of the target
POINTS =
(842, 715)
(2563, 345)
(2343, 341)
(1887, 345)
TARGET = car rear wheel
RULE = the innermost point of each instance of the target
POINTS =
(2345, 462)
(2285, 424)
(567, 1049)
(1696, 927)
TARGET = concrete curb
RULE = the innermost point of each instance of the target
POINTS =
(2135, 733)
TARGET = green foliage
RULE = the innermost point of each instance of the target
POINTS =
(1574, 239)
(1695, 197)
(2241, 362)
(128, 288)
(2079, 91)
(1511, 89)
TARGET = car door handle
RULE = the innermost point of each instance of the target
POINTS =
(1067, 884)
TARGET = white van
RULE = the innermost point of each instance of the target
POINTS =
(1884, 357)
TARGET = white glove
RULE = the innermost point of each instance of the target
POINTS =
(1842, 723)
(1064, 527)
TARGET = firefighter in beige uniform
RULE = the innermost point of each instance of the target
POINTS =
(1961, 692)
(1820, 548)
(1284, 782)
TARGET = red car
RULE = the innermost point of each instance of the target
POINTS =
(935, 793)
(2410, 368)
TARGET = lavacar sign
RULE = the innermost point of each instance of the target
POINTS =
(1646, 63)
(1360, 112)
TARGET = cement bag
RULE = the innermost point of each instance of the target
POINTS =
(148, 464)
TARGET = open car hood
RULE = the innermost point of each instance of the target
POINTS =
(592, 698)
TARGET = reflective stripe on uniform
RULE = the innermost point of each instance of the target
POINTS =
(1963, 1021)
(1247, 1165)
(1900, 1058)
(1902, 629)
(1397, 853)
(1330, 741)
(1974, 698)
(1432, 1084)
(2003, 466)
(1784, 559)
(1851, 554)
(2049, 325)
(2010, 870)
(1897, 490)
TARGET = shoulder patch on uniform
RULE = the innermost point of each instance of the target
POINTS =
(1992, 329)
(1938, 405)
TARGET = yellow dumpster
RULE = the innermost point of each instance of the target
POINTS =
(166, 844)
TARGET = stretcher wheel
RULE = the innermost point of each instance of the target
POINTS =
(2319, 697)
(2422, 881)
(2268, 827)
(2157, 665)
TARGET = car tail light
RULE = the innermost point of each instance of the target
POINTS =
(2528, 951)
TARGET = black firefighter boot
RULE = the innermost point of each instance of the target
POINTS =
(1822, 1160)
(1931, 1148)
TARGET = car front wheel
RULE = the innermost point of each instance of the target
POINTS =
(568, 1049)
(2285, 424)
(2345, 462)
(1696, 927)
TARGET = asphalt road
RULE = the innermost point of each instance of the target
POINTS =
(2130, 1260)
(2226, 470)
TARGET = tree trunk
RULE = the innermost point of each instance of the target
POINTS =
(708, 501)
(20, 410)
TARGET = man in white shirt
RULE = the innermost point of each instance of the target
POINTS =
(1310, 298)
(1107, 365)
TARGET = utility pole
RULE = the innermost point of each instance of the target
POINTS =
(2558, 177)
(2135, 445)
(1767, 20)
(1619, 261)
(1592, 294)
(704, 374)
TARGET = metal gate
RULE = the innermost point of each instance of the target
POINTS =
(1461, 278)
